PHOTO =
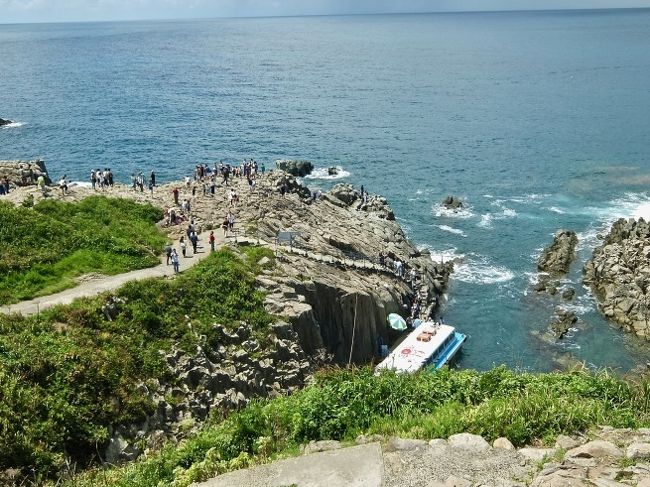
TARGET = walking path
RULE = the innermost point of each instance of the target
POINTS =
(109, 283)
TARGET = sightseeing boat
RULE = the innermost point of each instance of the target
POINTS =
(429, 345)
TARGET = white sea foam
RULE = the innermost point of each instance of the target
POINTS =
(13, 125)
(79, 184)
(555, 209)
(477, 269)
(533, 198)
(322, 173)
(447, 255)
(486, 221)
(460, 213)
(509, 213)
(455, 231)
(630, 205)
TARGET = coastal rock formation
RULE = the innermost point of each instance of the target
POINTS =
(23, 173)
(332, 171)
(295, 168)
(619, 275)
(452, 203)
(224, 378)
(562, 322)
(4, 122)
(557, 258)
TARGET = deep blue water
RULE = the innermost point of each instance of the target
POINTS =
(538, 120)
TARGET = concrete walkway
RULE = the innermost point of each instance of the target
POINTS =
(357, 466)
(108, 283)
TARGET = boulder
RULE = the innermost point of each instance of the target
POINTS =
(345, 192)
(468, 441)
(566, 442)
(557, 258)
(332, 171)
(562, 322)
(638, 451)
(405, 444)
(503, 443)
(295, 168)
(452, 203)
(536, 454)
(318, 446)
(4, 122)
(595, 449)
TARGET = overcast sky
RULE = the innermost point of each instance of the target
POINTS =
(75, 10)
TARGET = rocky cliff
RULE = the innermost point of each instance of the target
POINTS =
(23, 173)
(619, 275)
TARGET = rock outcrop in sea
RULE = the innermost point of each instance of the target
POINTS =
(557, 258)
(295, 168)
(4, 122)
(619, 275)
(23, 173)
(452, 203)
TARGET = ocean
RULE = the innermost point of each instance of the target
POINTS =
(537, 120)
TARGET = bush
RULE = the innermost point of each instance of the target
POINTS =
(46, 247)
(68, 375)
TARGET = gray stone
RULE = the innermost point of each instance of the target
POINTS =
(319, 446)
(453, 481)
(503, 443)
(566, 442)
(295, 168)
(638, 451)
(595, 449)
(469, 442)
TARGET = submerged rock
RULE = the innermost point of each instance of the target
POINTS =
(4, 122)
(562, 322)
(332, 171)
(295, 168)
(557, 258)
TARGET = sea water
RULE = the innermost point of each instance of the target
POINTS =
(538, 121)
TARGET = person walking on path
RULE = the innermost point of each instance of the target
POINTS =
(211, 238)
(175, 192)
(174, 256)
(168, 252)
(194, 238)
(183, 246)
(152, 179)
(231, 221)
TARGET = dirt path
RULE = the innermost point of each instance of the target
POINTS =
(108, 283)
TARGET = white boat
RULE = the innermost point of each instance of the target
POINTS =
(429, 345)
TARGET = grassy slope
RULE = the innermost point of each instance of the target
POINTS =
(45, 247)
(69, 374)
(342, 404)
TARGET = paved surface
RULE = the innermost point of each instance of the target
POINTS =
(358, 466)
(109, 283)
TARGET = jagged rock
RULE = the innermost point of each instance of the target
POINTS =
(503, 443)
(568, 294)
(619, 275)
(345, 192)
(562, 322)
(332, 171)
(557, 258)
(452, 203)
(4, 122)
(468, 441)
(23, 173)
(295, 168)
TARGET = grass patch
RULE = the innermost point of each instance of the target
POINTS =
(342, 404)
(47, 245)
(69, 374)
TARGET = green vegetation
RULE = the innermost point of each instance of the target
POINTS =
(47, 245)
(69, 374)
(343, 404)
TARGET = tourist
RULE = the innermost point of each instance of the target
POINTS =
(2, 189)
(224, 226)
(194, 239)
(174, 257)
(40, 184)
(211, 239)
(134, 181)
(183, 246)
(168, 252)
(231, 221)
(109, 177)
(152, 179)
(93, 179)
(213, 186)
(63, 185)
(141, 182)
(382, 259)
(175, 192)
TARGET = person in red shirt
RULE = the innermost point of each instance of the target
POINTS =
(211, 239)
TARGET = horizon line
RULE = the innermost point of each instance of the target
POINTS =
(355, 14)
